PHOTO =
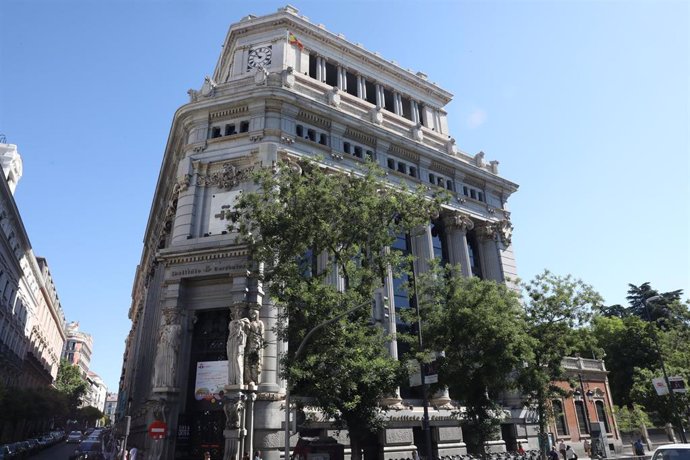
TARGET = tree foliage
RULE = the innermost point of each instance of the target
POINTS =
(554, 307)
(71, 384)
(481, 328)
(304, 224)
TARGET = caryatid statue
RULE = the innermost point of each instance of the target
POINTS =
(165, 364)
(254, 351)
(237, 342)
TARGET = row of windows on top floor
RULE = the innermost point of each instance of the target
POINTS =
(393, 164)
(230, 129)
(349, 84)
(581, 415)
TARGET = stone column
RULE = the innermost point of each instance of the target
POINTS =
(380, 100)
(489, 243)
(319, 74)
(422, 248)
(184, 190)
(415, 112)
(457, 226)
(361, 87)
(341, 79)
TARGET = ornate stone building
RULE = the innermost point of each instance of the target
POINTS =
(284, 88)
(31, 317)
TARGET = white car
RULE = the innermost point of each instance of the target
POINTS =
(672, 452)
(74, 436)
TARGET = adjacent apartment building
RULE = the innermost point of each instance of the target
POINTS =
(284, 89)
(31, 316)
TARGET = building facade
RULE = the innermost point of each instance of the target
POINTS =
(31, 316)
(110, 406)
(78, 348)
(586, 412)
(96, 392)
(285, 89)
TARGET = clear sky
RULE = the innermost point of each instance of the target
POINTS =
(584, 103)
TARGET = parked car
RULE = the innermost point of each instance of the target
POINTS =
(89, 450)
(4, 452)
(672, 452)
(74, 436)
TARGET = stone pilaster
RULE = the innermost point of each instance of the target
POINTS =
(490, 246)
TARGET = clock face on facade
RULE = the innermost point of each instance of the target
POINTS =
(259, 56)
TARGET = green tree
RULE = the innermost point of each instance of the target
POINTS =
(303, 225)
(555, 306)
(89, 415)
(71, 384)
(480, 326)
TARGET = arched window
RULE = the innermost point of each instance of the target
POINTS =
(601, 415)
(559, 417)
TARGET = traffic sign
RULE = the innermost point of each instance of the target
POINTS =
(158, 429)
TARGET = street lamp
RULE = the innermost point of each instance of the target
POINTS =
(297, 353)
(663, 367)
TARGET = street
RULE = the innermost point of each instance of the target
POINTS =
(60, 451)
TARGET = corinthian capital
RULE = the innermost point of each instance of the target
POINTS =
(459, 221)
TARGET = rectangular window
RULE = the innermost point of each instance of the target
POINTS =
(215, 132)
(581, 417)
(331, 74)
(449, 185)
(230, 130)
(420, 107)
(311, 135)
(559, 417)
(299, 131)
(402, 167)
(346, 147)
(406, 108)
(371, 92)
(358, 151)
(351, 83)
(388, 100)
(244, 126)
(391, 163)
(413, 171)
(370, 155)
(323, 139)
(432, 178)
(312, 65)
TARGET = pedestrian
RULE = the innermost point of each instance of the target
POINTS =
(246, 456)
(257, 455)
(570, 454)
(588, 448)
(521, 449)
(638, 448)
(133, 453)
(207, 455)
(553, 454)
(561, 448)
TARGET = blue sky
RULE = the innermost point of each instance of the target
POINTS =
(584, 103)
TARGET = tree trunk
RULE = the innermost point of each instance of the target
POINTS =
(541, 412)
(355, 447)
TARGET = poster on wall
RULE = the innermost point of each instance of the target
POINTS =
(211, 378)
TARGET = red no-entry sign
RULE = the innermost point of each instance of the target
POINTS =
(158, 429)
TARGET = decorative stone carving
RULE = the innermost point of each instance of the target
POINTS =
(165, 364)
(209, 87)
(479, 159)
(288, 77)
(417, 133)
(229, 177)
(451, 148)
(182, 184)
(237, 342)
(233, 412)
(334, 97)
(254, 350)
(505, 231)
(261, 75)
(193, 95)
(376, 115)
(493, 166)
(460, 221)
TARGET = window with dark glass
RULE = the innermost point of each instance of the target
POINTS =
(346, 147)
(438, 242)
(299, 131)
(413, 171)
(601, 415)
(559, 417)
(581, 417)
(323, 139)
(371, 92)
(312, 65)
(351, 83)
(331, 74)
(406, 108)
(391, 163)
(230, 130)
(473, 250)
(244, 126)
(388, 100)
(215, 132)
(420, 107)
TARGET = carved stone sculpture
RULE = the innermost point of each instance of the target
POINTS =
(254, 351)
(233, 412)
(165, 364)
(237, 342)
